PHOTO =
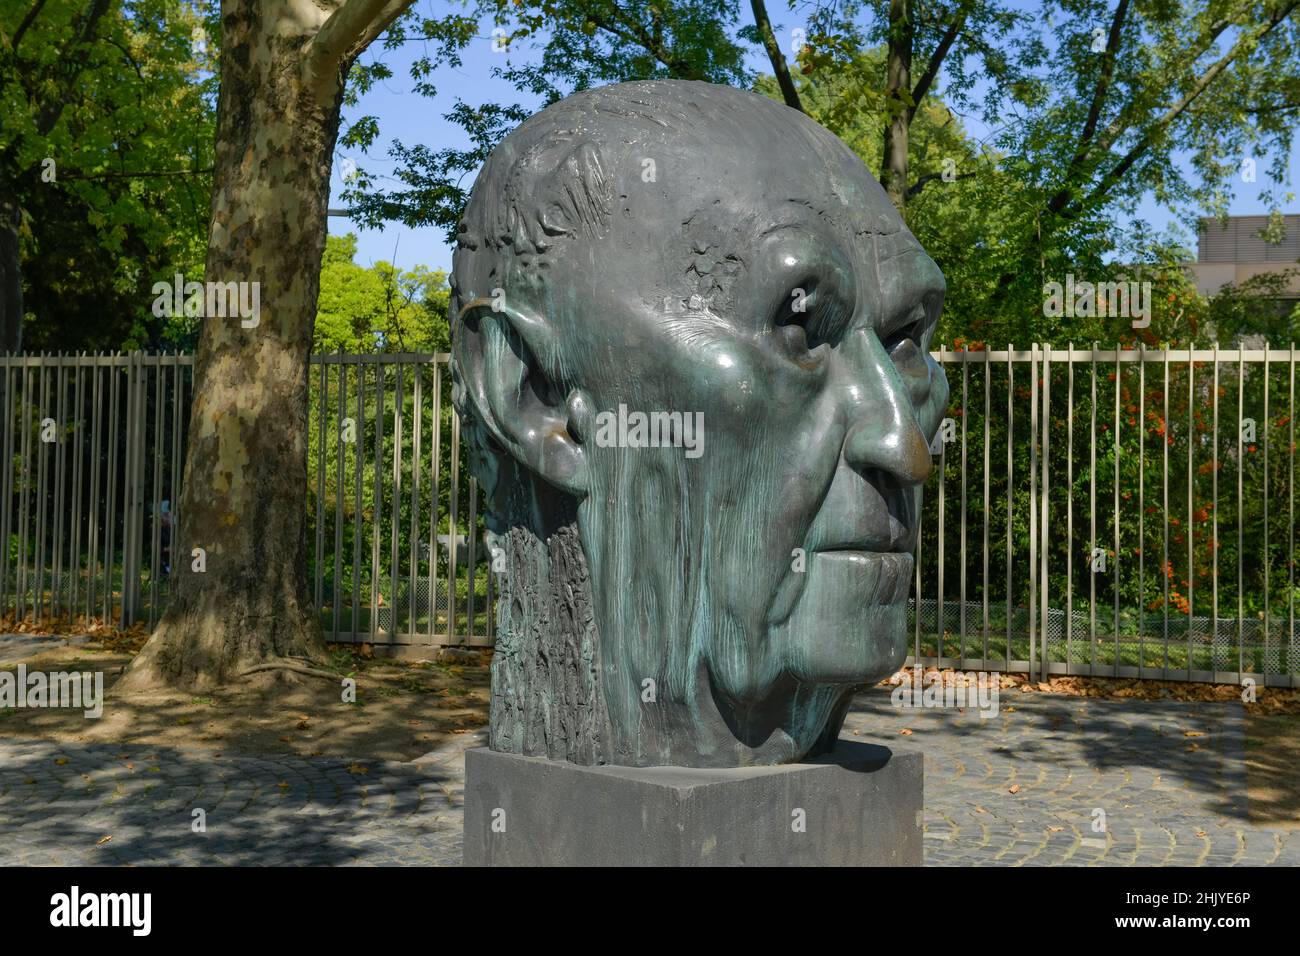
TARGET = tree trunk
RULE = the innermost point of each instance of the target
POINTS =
(774, 55)
(898, 95)
(243, 500)
(11, 277)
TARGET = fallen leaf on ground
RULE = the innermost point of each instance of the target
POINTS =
(1014, 788)
(906, 732)
(102, 840)
(357, 768)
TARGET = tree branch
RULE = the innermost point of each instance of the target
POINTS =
(1062, 198)
(1121, 124)
(779, 67)
(32, 14)
(347, 31)
(53, 108)
(634, 32)
(124, 174)
(938, 56)
(1246, 40)
(916, 187)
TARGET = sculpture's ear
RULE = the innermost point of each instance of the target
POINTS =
(507, 359)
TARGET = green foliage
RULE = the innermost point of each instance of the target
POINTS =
(582, 43)
(366, 489)
(380, 308)
(107, 147)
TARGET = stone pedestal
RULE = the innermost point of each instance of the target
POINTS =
(858, 806)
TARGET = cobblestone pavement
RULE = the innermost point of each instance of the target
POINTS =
(1167, 778)
(1067, 758)
(60, 802)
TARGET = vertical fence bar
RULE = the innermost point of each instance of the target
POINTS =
(1165, 567)
(1142, 472)
(965, 402)
(128, 475)
(24, 497)
(1069, 510)
(375, 595)
(78, 470)
(1191, 494)
(412, 531)
(452, 534)
(1119, 382)
(6, 483)
(1011, 429)
(1214, 527)
(1034, 584)
(92, 531)
(984, 580)
(60, 475)
(395, 519)
(155, 540)
(1241, 470)
(435, 491)
(939, 568)
(1092, 522)
(1290, 523)
(1291, 515)
(322, 403)
(42, 490)
(1265, 497)
(173, 498)
(1044, 600)
(359, 436)
(340, 477)
(128, 493)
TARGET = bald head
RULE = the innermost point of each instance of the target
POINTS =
(713, 258)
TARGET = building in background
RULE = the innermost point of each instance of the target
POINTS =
(1232, 251)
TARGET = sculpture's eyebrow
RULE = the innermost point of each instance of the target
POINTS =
(799, 223)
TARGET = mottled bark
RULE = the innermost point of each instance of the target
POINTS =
(244, 495)
(11, 278)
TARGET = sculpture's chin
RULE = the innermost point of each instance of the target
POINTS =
(849, 625)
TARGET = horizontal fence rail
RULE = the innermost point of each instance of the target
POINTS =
(1126, 513)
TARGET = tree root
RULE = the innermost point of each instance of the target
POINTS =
(290, 666)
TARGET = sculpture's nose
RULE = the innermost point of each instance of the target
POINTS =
(883, 433)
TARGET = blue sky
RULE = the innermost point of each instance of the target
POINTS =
(411, 118)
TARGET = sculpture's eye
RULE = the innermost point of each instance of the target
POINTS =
(792, 321)
(905, 344)
(810, 316)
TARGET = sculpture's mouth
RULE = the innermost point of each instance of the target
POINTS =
(880, 577)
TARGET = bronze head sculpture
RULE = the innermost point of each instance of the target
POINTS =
(691, 352)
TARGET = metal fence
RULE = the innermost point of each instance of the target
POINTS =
(93, 448)
(1118, 513)
(1124, 513)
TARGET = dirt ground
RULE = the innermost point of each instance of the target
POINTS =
(403, 709)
